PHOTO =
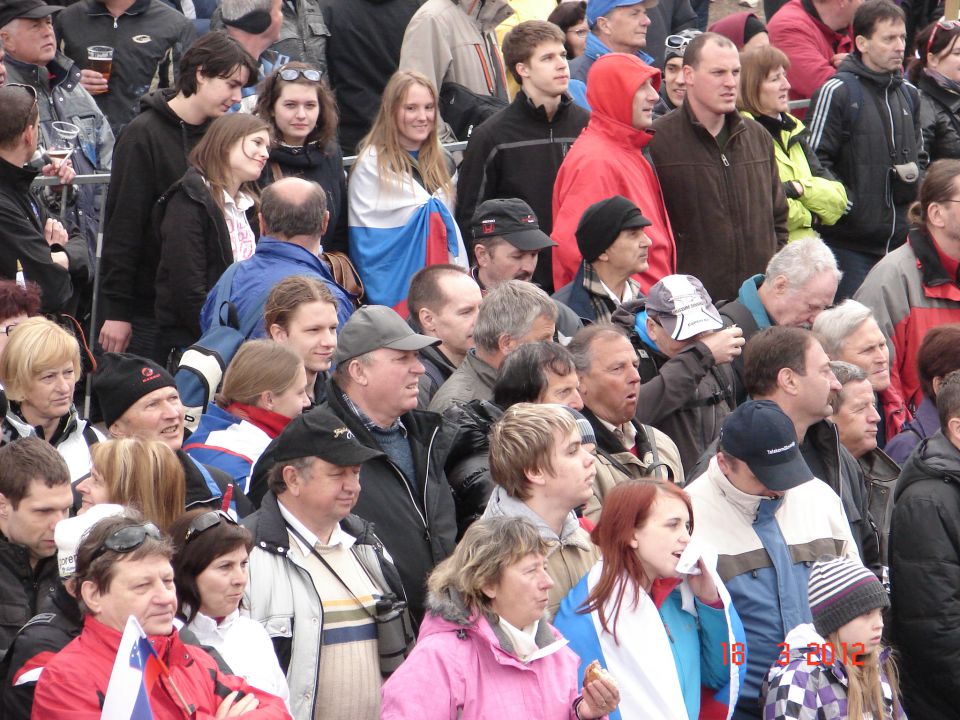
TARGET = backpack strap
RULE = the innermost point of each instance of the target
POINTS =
(225, 289)
(854, 100)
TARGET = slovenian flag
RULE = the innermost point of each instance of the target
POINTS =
(395, 230)
(135, 672)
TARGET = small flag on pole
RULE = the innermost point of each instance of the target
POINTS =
(135, 671)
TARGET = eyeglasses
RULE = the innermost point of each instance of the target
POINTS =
(678, 43)
(204, 522)
(127, 539)
(290, 74)
(942, 24)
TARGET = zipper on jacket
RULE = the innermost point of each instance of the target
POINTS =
(723, 158)
(403, 480)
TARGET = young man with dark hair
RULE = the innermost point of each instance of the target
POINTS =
(444, 302)
(35, 495)
(865, 127)
(925, 565)
(517, 152)
(152, 156)
(30, 239)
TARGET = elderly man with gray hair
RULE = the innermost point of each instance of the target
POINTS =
(512, 314)
(857, 420)
(850, 333)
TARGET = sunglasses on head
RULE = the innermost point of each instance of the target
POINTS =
(204, 522)
(942, 24)
(290, 74)
(127, 539)
(29, 88)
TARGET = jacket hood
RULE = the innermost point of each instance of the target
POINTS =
(853, 63)
(502, 505)
(614, 80)
(733, 27)
(934, 458)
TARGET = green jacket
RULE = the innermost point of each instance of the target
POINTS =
(824, 200)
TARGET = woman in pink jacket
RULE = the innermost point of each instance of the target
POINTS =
(484, 649)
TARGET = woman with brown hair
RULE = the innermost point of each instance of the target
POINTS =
(302, 114)
(141, 474)
(203, 223)
(662, 624)
(402, 191)
(264, 387)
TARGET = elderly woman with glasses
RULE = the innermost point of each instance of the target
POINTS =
(211, 553)
(123, 571)
(485, 648)
(302, 115)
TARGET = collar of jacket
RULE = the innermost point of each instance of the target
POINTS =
(305, 156)
(936, 282)
(785, 129)
(18, 178)
(750, 299)
(60, 72)
(16, 557)
(537, 112)
(878, 466)
(270, 532)
(734, 121)
(96, 7)
(618, 132)
(501, 504)
(929, 86)
(607, 441)
(824, 438)
(935, 458)
(744, 503)
(595, 49)
(853, 63)
(487, 13)
(838, 37)
(68, 423)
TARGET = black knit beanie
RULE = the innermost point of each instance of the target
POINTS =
(122, 379)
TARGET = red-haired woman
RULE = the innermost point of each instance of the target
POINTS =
(660, 633)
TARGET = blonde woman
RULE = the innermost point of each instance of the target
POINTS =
(401, 194)
(141, 474)
(39, 369)
(264, 387)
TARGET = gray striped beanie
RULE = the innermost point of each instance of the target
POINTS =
(841, 590)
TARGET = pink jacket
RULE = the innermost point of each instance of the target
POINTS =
(459, 666)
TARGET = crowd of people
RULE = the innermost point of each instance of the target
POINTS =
(642, 402)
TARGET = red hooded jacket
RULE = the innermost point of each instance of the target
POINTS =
(607, 159)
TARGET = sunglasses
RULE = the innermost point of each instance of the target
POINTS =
(204, 522)
(29, 88)
(942, 24)
(127, 539)
(290, 74)
(678, 43)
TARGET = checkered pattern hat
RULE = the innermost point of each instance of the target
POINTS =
(841, 590)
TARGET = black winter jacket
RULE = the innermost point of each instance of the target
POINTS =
(324, 167)
(862, 157)
(147, 35)
(22, 588)
(925, 579)
(939, 120)
(468, 465)
(22, 219)
(47, 632)
(150, 156)
(686, 396)
(517, 153)
(363, 51)
(419, 529)
(194, 252)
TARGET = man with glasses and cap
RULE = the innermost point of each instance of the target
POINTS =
(31, 240)
(32, 58)
(123, 570)
(319, 576)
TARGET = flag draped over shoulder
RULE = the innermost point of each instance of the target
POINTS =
(135, 671)
(397, 228)
(642, 663)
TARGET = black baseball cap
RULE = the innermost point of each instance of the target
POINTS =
(30, 9)
(376, 326)
(760, 434)
(318, 433)
(513, 220)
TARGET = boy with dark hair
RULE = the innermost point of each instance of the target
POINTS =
(35, 495)
(517, 152)
(149, 158)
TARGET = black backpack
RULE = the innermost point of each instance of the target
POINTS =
(463, 110)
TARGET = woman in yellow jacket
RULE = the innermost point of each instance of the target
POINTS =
(813, 196)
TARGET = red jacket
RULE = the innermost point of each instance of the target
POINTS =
(74, 682)
(607, 159)
(809, 44)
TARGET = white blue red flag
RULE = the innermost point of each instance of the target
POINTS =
(135, 671)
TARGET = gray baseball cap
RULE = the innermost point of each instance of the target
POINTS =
(376, 326)
(682, 307)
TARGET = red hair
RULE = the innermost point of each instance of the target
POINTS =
(625, 509)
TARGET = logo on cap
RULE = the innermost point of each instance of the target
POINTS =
(343, 431)
(148, 374)
(530, 219)
(488, 226)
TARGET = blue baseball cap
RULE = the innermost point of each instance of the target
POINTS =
(760, 434)
(599, 8)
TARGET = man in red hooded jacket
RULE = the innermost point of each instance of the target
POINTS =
(607, 159)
